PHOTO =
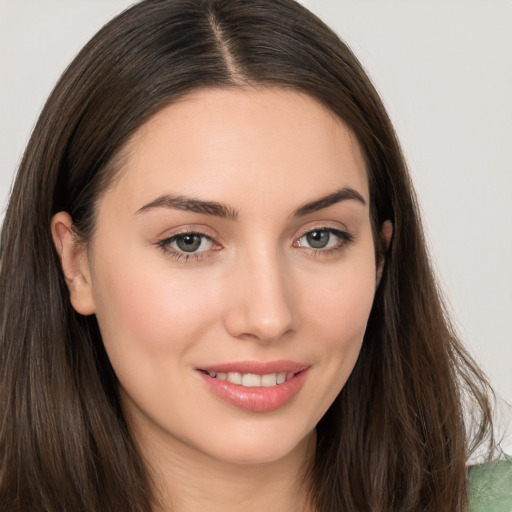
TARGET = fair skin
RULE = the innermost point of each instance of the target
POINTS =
(266, 281)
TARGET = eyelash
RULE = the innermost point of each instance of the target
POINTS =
(165, 244)
(344, 236)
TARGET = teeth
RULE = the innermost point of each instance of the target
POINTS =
(269, 380)
(234, 377)
(250, 380)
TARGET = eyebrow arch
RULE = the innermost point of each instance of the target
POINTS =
(191, 205)
(226, 212)
(343, 194)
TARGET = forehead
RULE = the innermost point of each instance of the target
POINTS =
(242, 145)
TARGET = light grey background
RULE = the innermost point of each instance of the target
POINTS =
(444, 70)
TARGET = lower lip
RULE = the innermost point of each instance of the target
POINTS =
(258, 399)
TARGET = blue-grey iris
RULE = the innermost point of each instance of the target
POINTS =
(189, 242)
(318, 239)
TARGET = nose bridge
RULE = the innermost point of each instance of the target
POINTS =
(261, 306)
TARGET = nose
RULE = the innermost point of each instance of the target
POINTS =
(261, 301)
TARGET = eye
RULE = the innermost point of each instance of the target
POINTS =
(187, 244)
(318, 239)
(191, 242)
(324, 239)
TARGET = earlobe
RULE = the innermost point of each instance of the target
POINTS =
(75, 264)
(386, 234)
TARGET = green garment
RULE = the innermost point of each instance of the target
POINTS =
(491, 487)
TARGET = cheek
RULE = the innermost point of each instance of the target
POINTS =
(343, 302)
(149, 311)
(339, 311)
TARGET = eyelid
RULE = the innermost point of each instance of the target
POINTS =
(184, 229)
(322, 226)
(164, 241)
(342, 233)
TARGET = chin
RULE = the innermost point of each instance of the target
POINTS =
(249, 448)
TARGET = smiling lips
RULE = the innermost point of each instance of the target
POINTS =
(254, 386)
(251, 380)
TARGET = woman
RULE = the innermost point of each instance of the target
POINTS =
(215, 289)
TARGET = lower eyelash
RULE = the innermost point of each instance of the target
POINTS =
(182, 256)
(346, 238)
(178, 256)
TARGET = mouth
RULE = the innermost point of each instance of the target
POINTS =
(254, 386)
(252, 380)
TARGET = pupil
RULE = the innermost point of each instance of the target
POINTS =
(188, 243)
(318, 239)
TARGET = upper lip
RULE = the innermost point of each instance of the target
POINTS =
(256, 367)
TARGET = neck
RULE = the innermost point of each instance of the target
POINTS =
(188, 481)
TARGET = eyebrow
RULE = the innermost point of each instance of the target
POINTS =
(216, 209)
(190, 204)
(343, 194)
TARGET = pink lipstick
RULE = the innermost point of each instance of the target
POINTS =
(255, 386)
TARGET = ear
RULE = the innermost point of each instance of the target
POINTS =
(386, 234)
(75, 264)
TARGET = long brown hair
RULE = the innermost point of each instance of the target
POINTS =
(395, 437)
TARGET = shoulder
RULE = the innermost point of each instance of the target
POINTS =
(491, 487)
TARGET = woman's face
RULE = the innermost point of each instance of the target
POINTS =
(233, 252)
